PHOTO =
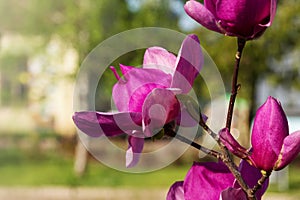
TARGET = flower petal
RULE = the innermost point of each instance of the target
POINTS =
(206, 181)
(96, 124)
(260, 28)
(125, 68)
(211, 6)
(160, 107)
(198, 12)
(269, 130)
(243, 18)
(159, 58)
(176, 191)
(251, 175)
(134, 150)
(233, 193)
(188, 64)
(289, 151)
(130, 92)
(233, 146)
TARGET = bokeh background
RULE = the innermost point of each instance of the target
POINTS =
(43, 43)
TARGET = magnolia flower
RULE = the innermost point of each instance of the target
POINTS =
(246, 19)
(272, 146)
(213, 181)
(145, 97)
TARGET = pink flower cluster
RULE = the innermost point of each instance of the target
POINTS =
(163, 76)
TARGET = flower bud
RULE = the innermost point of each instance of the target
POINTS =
(270, 128)
(246, 19)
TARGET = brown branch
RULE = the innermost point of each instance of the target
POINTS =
(225, 157)
(260, 182)
(198, 146)
(234, 85)
(211, 152)
(209, 131)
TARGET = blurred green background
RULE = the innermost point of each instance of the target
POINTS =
(42, 44)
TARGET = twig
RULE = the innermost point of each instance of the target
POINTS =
(234, 86)
(170, 132)
(260, 182)
(209, 131)
(198, 146)
(225, 157)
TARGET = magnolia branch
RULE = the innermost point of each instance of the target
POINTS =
(234, 85)
(260, 182)
(227, 160)
(183, 139)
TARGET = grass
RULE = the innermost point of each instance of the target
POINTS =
(30, 168)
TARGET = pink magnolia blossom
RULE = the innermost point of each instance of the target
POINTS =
(145, 97)
(272, 146)
(246, 19)
(214, 181)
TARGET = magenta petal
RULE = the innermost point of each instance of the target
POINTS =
(159, 58)
(130, 92)
(233, 193)
(134, 150)
(259, 29)
(202, 15)
(251, 175)
(244, 18)
(125, 68)
(188, 64)
(96, 124)
(289, 151)
(176, 191)
(240, 17)
(206, 181)
(269, 130)
(160, 107)
(233, 146)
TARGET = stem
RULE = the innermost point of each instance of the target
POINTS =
(234, 86)
(260, 182)
(237, 175)
(209, 131)
(225, 157)
(198, 146)
(211, 152)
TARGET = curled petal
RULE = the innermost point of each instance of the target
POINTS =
(202, 15)
(233, 193)
(176, 191)
(134, 150)
(289, 151)
(233, 146)
(188, 64)
(96, 124)
(206, 181)
(251, 175)
(130, 93)
(160, 107)
(259, 29)
(159, 58)
(269, 130)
